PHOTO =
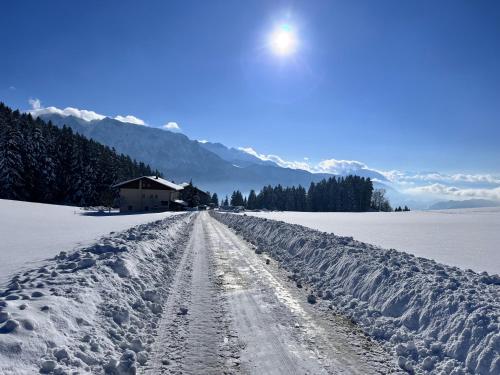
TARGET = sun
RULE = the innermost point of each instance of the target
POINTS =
(283, 40)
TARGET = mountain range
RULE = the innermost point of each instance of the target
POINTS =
(211, 166)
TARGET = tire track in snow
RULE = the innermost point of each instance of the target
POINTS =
(245, 317)
(199, 341)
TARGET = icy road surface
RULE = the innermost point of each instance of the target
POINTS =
(31, 232)
(466, 238)
(246, 316)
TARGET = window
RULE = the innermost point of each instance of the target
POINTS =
(144, 195)
(156, 196)
(164, 203)
(151, 196)
(130, 208)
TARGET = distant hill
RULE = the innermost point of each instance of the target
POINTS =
(469, 203)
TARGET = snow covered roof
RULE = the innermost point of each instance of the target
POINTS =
(158, 180)
(184, 184)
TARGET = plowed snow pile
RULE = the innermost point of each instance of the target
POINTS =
(437, 319)
(94, 310)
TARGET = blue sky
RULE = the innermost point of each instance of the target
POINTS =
(397, 85)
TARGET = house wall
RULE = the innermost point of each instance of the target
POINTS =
(146, 199)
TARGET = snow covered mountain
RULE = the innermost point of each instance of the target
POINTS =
(213, 166)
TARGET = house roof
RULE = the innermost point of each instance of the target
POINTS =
(158, 180)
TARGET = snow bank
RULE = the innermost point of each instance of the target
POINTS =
(466, 238)
(94, 310)
(436, 319)
(31, 232)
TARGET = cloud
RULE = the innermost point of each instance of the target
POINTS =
(441, 177)
(35, 103)
(171, 126)
(130, 119)
(68, 111)
(340, 166)
(442, 190)
(202, 141)
(12, 88)
(332, 166)
(37, 110)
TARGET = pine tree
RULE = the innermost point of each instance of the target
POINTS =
(215, 200)
(252, 200)
(237, 199)
(351, 193)
(12, 184)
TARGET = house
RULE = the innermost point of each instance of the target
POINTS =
(149, 193)
(194, 196)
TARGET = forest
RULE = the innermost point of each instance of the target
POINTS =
(342, 194)
(40, 162)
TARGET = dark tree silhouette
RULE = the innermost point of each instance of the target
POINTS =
(42, 163)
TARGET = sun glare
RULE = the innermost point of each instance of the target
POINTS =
(283, 40)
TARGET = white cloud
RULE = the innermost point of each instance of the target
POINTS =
(171, 126)
(203, 141)
(441, 190)
(35, 103)
(332, 166)
(400, 177)
(37, 110)
(68, 111)
(130, 119)
(340, 166)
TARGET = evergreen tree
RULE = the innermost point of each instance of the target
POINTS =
(12, 184)
(252, 200)
(351, 193)
(215, 200)
(237, 199)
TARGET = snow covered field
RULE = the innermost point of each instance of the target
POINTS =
(31, 232)
(466, 238)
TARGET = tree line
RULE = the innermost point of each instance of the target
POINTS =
(344, 194)
(40, 162)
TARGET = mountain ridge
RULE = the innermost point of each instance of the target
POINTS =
(182, 159)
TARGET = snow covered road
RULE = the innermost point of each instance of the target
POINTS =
(245, 316)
